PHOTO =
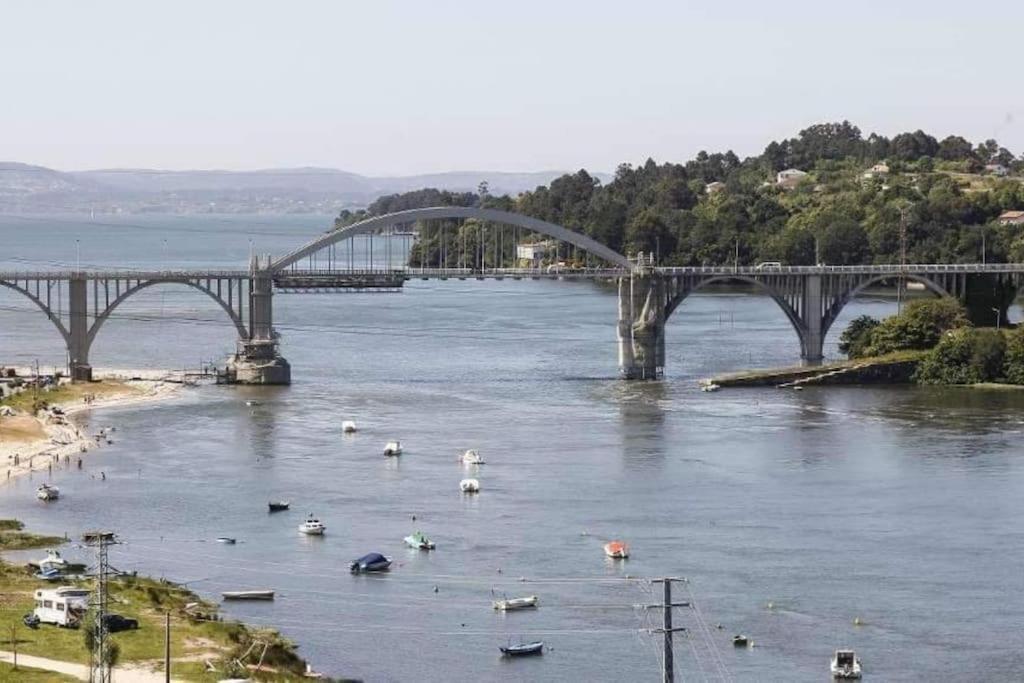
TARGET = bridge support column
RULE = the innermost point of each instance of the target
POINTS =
(256, 360)
(78, 332)
(812, 339)
(641, 329)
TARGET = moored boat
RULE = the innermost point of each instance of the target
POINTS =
(845, 665)
(248, 595)
(616, 550)
(312, 527)
(469, 486)
(512, 604)
(47, 492)
(393, 448)
(419, 541)
(278, 505)
(371, 562)
(348, 427)
(535, 648)
(227, 540)
(740, 641)
(471, 457)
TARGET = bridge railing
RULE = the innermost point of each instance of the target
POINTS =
(887, 269)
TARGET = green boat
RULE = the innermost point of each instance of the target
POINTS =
(419, 541)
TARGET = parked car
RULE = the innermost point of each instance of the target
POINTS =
(115, 623)
(30, 620)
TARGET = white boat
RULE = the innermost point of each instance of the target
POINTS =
(710, 386)
(312, 527)
(47, 492)
(845, 665)
(53, 561)
(419, 541)
(469, 486)
(252, 403)
(228, 540)
(471, 457)
(393, 448)
(248, 595)
(512, 604)
(348, 427)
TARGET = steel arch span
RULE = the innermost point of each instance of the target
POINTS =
(442, 212)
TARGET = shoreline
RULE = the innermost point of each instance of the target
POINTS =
(33, 443)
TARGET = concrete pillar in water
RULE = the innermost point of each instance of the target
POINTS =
(641, 328)
(812, 341)
(78, 332)
(256, 360)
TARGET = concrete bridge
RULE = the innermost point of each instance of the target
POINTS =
(811, 297)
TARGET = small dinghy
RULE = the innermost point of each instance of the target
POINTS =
(312, 527)
(512, 604)
(740, 641)
(469, 486)
(419, 541)
(348, 427)
(710, 386)
(252, 403)
(278, 505)
(845, 665)
(617, 550)
(248, 595)
(471, 457)
(47, 492)
(227, 540)
(372, 562)
(523, 649)
(393, 448)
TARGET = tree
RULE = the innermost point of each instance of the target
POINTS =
(856, 338)
(920, 326)
(844, 243)
(1013, 359)
(955, 148)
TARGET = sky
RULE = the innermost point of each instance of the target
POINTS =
(383, 87)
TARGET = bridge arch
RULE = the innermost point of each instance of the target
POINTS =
(780, 299)
(442, 212)
(43, 307)
(236, 318)
(836, 308)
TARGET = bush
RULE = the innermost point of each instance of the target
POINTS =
(857, 336)
(919, 326)
(964, 356)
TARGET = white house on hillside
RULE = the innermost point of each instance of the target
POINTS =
(789, 178)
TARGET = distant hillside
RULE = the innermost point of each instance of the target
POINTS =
(36, 189)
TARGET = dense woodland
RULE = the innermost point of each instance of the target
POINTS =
(835, 215)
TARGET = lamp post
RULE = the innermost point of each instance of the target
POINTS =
(999, 315)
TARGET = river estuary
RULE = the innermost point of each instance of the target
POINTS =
(791, 513)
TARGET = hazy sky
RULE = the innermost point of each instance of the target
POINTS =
(388, 87)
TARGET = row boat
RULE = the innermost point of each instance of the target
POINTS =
(535, 648)
(419, 541)
(278, 505)
(616, 550)
(512, 604)
(470, 486)
(248, 595)
(47, 492)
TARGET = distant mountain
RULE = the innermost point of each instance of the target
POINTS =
(36, 189)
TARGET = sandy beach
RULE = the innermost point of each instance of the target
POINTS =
(51, 439)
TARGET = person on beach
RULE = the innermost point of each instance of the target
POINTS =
(79, 463)
(103, 476)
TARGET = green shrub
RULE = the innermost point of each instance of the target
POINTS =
(856, 338)
(919, 326)
(1013, 361)
(964, 356)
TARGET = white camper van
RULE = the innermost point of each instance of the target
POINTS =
(64, 606)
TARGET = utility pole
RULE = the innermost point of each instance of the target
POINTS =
(668, 665)
(14, 644)
(99, 659)
(167, 647)
(902, 259)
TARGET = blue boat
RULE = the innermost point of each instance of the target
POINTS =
(373, 562)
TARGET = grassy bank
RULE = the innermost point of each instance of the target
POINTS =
(27, 400)
(891, 368)
(9, 673)
(13, 537)
(198, 636)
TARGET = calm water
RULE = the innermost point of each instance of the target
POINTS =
(898, 506)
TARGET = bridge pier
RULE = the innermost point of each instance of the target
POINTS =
(812, 332)
(78, 331)
(641, 328)
(256, 359)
